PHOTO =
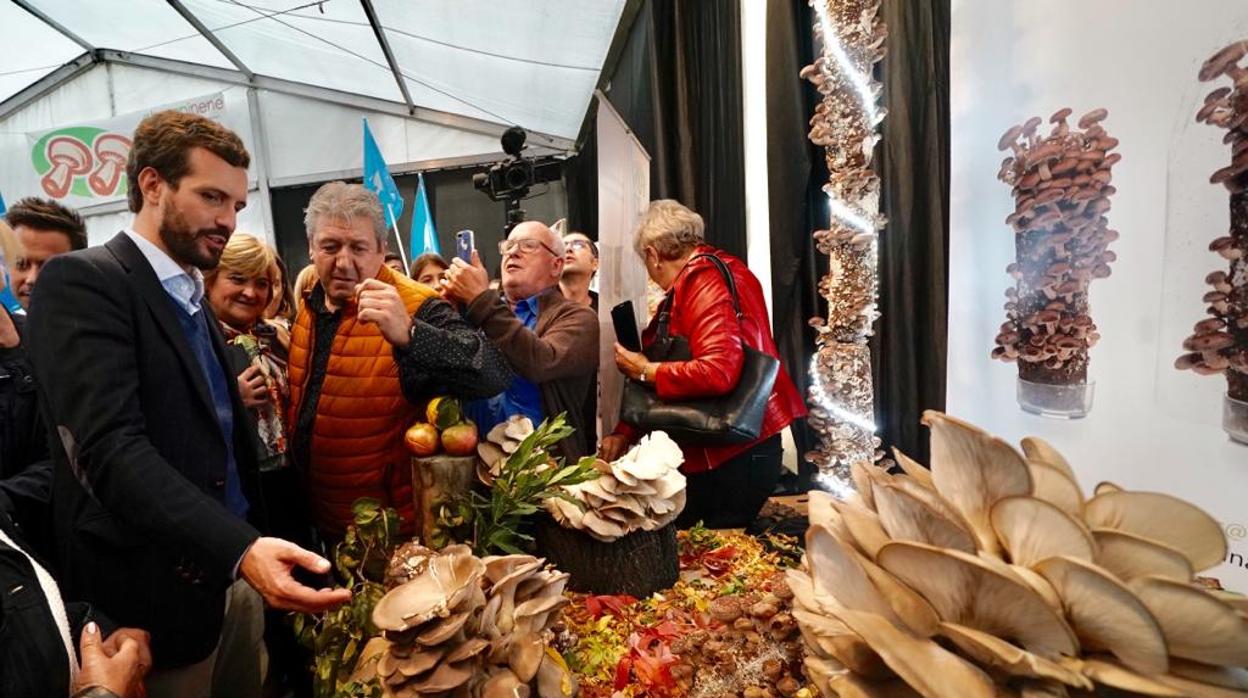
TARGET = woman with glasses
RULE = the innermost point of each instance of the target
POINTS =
(727, 484)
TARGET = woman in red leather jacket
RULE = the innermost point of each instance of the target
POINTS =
(727, 485)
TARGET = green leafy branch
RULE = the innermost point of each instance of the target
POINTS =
(337, 637)
(527, 479)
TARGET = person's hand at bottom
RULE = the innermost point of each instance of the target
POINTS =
(267, 567)
(612, 447)
(122, 671)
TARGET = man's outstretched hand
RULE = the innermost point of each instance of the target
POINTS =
(267, 567)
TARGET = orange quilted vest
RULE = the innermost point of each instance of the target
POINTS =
(357, 434)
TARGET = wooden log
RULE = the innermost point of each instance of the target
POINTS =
(438, 479)
(638, 564)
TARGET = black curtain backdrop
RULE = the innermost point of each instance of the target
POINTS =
(797, 206)
(678, 87)
(580, 176)
(908, 349)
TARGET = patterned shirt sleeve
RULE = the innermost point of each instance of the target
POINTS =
(446, 355)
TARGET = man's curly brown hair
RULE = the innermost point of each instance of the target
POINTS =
(163, 141)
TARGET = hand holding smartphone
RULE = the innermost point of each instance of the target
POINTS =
(465, 243)
(625, 322)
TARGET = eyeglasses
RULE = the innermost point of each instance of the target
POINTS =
(526, 245)
(583, 245)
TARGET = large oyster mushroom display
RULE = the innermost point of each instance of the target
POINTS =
(1219, 343)
(642, 491)
(1061, 188)
(987, 579)
(469, 626)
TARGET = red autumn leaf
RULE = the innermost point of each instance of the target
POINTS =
(652, 660)
(622, 672)
(613, 604)
(718, 562)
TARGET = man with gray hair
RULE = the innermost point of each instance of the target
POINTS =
(550, 342)
(370, 348)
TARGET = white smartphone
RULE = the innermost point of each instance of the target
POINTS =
(465, 243)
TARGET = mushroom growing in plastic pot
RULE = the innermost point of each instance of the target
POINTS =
(1061, 188)
(1054, 598)
(643, 490)
(1219, 343)
(470, 626)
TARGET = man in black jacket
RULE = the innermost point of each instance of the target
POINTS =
(154, 496)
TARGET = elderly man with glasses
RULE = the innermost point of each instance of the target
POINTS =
(550, 342)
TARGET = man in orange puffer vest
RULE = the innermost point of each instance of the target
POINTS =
(368, 348)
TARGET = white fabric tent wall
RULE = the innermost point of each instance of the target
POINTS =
(300, 140)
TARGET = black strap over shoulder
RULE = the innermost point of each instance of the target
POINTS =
(665, 308)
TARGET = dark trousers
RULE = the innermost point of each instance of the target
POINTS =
(731, 495)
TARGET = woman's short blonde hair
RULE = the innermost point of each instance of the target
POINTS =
(247, 256)
(670, 228)
(10, 249)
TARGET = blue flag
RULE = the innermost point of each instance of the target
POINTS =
(424, 235)
(378, 180)
(7, 299)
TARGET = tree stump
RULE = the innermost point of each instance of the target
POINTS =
(637, 564)
(438, 479)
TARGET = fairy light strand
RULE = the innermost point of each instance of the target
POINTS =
(851, 38)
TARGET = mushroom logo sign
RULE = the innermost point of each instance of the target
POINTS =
(84, 164)
(84, 160)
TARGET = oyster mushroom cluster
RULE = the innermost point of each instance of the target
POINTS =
(642, 491)
(469, 626)
(992, 575)
(1061, 187)
(500, 443)
(1219, 343)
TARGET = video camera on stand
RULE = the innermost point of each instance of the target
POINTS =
(510, 180)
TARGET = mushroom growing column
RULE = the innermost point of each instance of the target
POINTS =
(1061, 187)
(1219, 343)
(851, 38)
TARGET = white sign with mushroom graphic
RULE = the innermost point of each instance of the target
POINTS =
(84, 164)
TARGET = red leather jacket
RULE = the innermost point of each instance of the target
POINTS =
(702, 313)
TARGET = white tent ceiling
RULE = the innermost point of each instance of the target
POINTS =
(534, 63)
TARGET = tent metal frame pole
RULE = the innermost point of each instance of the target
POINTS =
(49, 82)
(211, 37)
(261, 144)
(43, 17)
(322, 94)
(380, 32)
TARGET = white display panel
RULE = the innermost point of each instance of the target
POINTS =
(1151, 427)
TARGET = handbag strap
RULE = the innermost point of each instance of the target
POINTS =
(665, 308)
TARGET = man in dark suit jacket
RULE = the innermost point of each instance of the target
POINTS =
(154, 497)
(551, 343)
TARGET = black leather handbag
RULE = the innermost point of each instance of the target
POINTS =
(714, 421)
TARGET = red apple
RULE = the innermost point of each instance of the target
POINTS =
(460, 440)
(422, 439)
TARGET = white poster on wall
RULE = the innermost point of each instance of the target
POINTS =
(84, 164)
(1149, 426)
(623, 194)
